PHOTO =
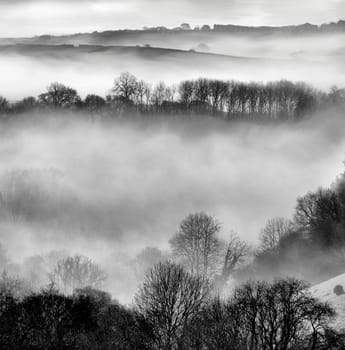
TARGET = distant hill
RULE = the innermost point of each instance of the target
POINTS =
(150, 53)
(306, 28)
(155, 35)
(92, 67)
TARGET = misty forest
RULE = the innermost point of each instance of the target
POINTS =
(172, 187)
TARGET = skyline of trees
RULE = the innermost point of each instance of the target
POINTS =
(229, 100)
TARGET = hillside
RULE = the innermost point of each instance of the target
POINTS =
(204, 33)
(325, 292)
(93, 67)
(305, 41)
(79, 50)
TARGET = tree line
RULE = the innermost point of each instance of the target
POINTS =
(231, 100)
(180, 303)
(173, 309)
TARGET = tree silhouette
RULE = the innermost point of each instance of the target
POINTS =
(76, 272)
(232, 256)
(169, 299)
(126, 86)
(273, 232)
(196, 244)
(59, 95)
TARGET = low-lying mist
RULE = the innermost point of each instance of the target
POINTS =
(108, 189)
(93, 69)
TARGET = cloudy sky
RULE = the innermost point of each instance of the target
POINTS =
(30, 17)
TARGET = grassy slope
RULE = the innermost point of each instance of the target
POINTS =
(324, 292)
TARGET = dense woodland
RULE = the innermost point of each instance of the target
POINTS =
(229, 100)
(186, 300)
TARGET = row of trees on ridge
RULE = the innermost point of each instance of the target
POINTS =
(281, 100)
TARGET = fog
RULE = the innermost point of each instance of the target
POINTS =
(317, 60)
(107, 189)
(309, 46)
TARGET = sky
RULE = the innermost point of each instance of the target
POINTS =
(34, 17)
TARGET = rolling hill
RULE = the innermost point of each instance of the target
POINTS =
(325, 292)
(92, 68)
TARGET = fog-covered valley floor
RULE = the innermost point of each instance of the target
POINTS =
(107, 189)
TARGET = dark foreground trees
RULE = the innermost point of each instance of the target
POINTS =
(87, 320)
(259, 315)
(281, 315)
(171, 299)
(174, 311)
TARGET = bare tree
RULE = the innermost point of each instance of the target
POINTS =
(159, 94)
(273, 232)
(235, 251)
(59, 95)
(196, 244)
(170, 93)
(126, 86)
(76, 272)
(186, 91)
(201, 90)
(143, 92)
(220, 327)
(170, 298)
(218, 93)
(282, 315)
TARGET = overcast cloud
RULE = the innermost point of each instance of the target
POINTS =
(30, 17)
